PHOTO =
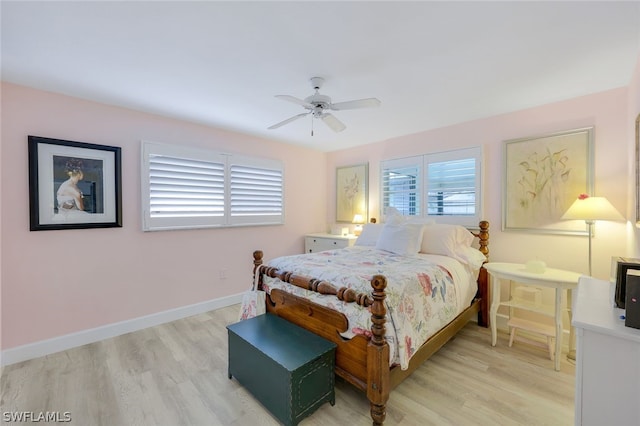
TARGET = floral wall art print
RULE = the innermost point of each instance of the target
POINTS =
(543, 176)
(352, 192)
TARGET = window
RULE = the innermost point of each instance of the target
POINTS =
(192, 188)
(255, 191)
(451, 186)
(444, 186)
(401, 185)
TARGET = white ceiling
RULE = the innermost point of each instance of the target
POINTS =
(432, 64)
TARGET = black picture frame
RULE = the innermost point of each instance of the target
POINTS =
(73, 185)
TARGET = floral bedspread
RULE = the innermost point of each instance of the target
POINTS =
(421, 295)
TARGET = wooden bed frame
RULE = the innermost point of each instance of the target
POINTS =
(364, 361)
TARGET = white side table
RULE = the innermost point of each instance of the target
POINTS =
(552, 278)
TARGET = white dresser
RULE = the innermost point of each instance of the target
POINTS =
(314, 243)
(607, 359)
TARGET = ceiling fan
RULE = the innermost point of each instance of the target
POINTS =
(318, 104)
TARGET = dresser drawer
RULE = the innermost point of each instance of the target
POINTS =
(314, 244)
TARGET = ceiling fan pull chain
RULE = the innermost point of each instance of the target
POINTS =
(312, 125)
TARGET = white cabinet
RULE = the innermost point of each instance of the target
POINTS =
(314, 243)
(607, 361)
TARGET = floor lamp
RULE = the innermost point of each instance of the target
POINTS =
(591, 209)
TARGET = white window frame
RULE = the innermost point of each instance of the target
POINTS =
(423, 161)
(260, 216)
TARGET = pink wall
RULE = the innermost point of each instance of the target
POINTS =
(606, 111)
(60, 282)
(634, 111)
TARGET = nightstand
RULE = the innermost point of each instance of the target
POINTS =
(551, 278)
(314, 243)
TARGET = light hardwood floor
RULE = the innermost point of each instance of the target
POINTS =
(176, 374)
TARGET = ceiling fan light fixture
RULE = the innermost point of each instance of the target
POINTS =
(318, 99)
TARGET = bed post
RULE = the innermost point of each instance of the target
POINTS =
(257, 261)
(378, 384)
(483, 278)
(483, 237)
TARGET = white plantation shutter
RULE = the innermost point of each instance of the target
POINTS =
(182, 187)
(401, 185)
(445, 186)
(255, 191)
(451, 187)
(192, 188)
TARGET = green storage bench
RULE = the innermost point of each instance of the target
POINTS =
(287, 368)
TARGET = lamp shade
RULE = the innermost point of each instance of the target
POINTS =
(358, 219)
(592, 208)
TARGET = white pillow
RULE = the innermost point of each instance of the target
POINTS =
(471, 256)
(446, 240)
(369, 235)
(397, 219)
(403, 239)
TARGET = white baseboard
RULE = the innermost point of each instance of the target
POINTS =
(68, 341)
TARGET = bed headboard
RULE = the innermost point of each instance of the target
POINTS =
(481, 232)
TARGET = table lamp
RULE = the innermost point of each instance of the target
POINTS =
(358, 220)
(591, 209)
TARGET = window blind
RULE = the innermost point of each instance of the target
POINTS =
(451, 187)
(444, 184)
(255, 194)
(401, 189)
(183, 187)
(194, 188)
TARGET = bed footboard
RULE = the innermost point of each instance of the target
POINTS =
(312, 284)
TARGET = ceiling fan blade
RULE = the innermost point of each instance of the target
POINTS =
(294, 100)
(288, 120)
(360, 103)
(331, 121)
